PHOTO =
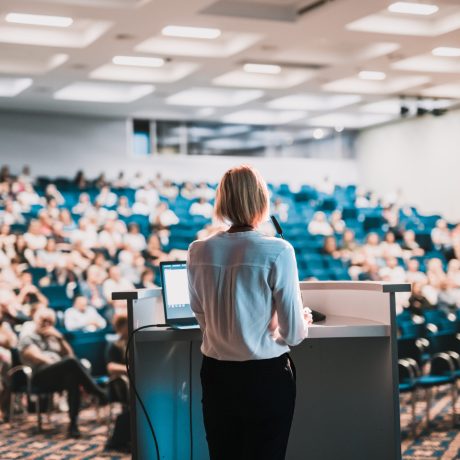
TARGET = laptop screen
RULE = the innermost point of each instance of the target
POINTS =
(175, 291)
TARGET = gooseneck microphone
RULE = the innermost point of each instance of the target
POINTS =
(316, 315)
(277, 226)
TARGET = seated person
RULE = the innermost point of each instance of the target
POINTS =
(330, 247)
(319, 225)
(83, 317)
(202, 208)
(54, 366)
(116, 364)
(8, 340)
(418, 303)
(119, 386)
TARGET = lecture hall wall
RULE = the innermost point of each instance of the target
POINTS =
(58, 145)
(420, 157)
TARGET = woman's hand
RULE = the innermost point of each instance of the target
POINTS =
(307, 316)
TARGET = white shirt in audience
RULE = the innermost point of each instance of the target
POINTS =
(136, 241)
(320, 228)
(148, 196)
(89, 319)
(88, 237)
(34, 241)
(201, 209)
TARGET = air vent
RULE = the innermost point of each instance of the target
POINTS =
(271, 10)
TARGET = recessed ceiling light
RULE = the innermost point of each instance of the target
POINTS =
(39, 20)
(262, 68)
(263, 117)
(206, 111)
(191, 32)
(138, 61)
(218, 97)
(446, 51)
(338, 129)
(371, 75)
(10, 87)
(422, 9)
(318, 133)
(103, 92)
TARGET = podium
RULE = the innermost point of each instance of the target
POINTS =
(347, 403)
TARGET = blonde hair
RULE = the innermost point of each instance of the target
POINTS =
(242, 197)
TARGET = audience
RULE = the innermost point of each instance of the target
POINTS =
(103, 237)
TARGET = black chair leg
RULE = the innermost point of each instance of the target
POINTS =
(39, 415)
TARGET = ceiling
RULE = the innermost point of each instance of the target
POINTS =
(320, 46)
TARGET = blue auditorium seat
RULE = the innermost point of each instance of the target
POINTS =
(91, 346)
(57, 296)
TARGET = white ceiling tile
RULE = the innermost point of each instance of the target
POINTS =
(103, 92)
(314, 102)
(287, 78)
(387, 86)
(169, 73)
(263, 117)
(213, 97)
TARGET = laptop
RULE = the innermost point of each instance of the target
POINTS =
(176, 299)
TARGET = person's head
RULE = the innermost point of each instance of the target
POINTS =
(413, 265)
(123, 201)
(34, 227)
(417, 288)
(35, 306)
(84, 198)
(20, 242)
(44, 318)
(409, 236)
(434, 265)
(133, 228)
(390, 237)
(114, 273)
(26, 278)
(348, 235)
(93, 274)
(441, 224)
(330, 244)
(372, 239)
(336, 216)
(5, 229)
(320, 216)
(392, 262)
(453, 265)
(120, 324)
(147, 276)
(242, 197)
(80, 303)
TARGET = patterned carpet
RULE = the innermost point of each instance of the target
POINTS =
(440, 442)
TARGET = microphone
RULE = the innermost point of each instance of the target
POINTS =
(316, 315)
(277, 225)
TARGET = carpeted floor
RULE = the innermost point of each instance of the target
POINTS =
(440, 442)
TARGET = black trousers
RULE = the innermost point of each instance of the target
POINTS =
(248, 407)
(67, 374)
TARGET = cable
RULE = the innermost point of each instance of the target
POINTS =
(131, 382)
(190, 399)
